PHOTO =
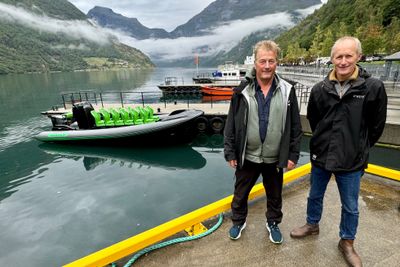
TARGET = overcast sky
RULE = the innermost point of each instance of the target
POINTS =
(165, 14)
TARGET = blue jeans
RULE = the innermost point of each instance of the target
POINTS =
(348, 184)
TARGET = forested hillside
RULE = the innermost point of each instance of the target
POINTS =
(26, 48)
(375, 23)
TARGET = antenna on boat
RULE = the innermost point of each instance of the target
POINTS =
(196, 62)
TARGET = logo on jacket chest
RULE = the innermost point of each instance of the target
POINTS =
(359, 96)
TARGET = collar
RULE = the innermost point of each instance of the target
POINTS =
(257, 87)
(354, 76)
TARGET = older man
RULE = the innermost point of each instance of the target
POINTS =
(347, 114)
(262, 136)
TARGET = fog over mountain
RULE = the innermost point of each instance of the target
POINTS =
(212, 33)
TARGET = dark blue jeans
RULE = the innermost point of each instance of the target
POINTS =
(348, 184)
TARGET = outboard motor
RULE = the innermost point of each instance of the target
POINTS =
(81, 113)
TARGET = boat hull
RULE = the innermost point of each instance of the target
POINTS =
(170, 127)
(217, 91)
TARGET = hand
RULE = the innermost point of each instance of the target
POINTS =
(233, 163)
(290, 165)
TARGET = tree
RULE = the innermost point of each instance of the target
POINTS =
(327, 43)
(295, 53)
(343, 30)
(372, 39)
(392, 36)
(315, 49)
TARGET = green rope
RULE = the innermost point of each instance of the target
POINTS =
(174, 241)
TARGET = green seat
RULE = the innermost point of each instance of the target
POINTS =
(144, 113)
(68, 115)
(116, 117)
(97, 119)
(107, 117)
(135, 116)
(151, 113)
(126, 117)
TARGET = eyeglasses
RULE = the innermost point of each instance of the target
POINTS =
(264, 62)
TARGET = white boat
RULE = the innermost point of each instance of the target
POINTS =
(227, 73)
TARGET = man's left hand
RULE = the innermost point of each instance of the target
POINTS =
(290, 165)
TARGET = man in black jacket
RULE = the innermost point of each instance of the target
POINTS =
(347, 114)
(262, 136)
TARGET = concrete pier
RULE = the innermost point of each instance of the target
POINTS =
(377, 238)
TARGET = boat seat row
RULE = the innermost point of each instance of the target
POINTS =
(123, 116)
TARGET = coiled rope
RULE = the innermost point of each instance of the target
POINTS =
(173, 241)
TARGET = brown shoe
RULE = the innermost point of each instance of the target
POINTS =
(350, 255)
(305, 230)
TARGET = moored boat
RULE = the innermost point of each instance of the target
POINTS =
(217, 91)
(215, 98)
(88, 125)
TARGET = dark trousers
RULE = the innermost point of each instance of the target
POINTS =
(246, 178)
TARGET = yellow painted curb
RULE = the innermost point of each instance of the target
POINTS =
(384, 172)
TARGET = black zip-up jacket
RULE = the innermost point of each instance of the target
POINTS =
(345, 129)
(236, 126)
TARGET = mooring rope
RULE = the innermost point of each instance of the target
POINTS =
(171, 242)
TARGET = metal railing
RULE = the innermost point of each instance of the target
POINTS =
(123, 98)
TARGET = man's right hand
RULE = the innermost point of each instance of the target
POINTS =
(233, 163)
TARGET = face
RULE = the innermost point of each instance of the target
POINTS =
(265, 65)
(345, 57)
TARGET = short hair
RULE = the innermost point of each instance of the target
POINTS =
(267, 45)
(345, 38)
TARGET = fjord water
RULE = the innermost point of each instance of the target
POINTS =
(61, 202)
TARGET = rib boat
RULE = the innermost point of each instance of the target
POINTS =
(126, 125)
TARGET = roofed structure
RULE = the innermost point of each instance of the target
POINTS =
(393, 57)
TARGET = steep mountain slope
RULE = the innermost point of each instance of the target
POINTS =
(375, 23)
(26, 46)
(107, 18)
(209, 23)
(222, 11)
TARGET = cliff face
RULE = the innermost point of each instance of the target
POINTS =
(107, 18)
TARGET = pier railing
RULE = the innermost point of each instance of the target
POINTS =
(142, 98)
(310, 75)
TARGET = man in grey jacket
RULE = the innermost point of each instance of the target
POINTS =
(262, 136)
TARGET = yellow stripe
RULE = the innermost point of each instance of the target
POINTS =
(384, 172)
(156, 234)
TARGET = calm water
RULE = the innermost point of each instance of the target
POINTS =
(59, 203)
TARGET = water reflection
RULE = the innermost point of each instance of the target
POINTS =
(209, 141)
(177, 157)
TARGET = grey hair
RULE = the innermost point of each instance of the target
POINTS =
(267, 45)
(345, 38)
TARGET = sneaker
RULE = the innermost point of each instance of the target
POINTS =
(274, 233)
(236, 230)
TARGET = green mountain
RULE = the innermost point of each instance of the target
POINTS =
(221, 11)
(375, 23)
(24, 48)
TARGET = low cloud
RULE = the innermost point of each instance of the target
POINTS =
(222, 38)
(71, 46)
(75, 29)
(166, 14)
